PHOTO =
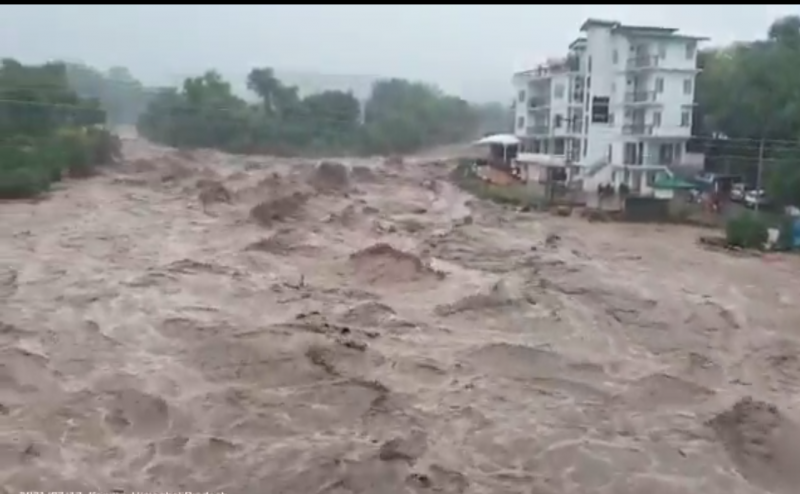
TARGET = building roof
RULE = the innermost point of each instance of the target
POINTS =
(579, 42)
(634, 29)
(502, 139)
(646, 29)
(591, 22)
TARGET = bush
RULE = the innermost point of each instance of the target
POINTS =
(28, 166)
(22, 174)
(746, 231)
(57, 135)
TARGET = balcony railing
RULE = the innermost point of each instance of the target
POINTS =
(538, 103)
(642, 62)
(576, 97)
(574, 127)
(538, 129)
(637, 129)
(641, 97)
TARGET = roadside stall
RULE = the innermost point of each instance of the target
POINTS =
(497, 164)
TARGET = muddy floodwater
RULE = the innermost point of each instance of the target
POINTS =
(197, 321)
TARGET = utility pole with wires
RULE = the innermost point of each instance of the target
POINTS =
(759, 175)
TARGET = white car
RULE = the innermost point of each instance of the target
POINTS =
(755, 197)
(738, 192)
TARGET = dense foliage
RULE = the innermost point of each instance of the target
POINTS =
(747, 231)
(749, 92)
(400, 116)
(46, 130)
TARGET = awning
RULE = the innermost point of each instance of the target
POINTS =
(673, 183)
(501, 139)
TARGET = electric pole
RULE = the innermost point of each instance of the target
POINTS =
(759, 174)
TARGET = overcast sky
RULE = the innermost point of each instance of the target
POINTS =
(468, 49)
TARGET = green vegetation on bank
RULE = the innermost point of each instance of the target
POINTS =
(46, 130)
(749, 92)
(400, 116)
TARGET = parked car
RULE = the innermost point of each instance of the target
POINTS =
(755, 197)
(738, 192)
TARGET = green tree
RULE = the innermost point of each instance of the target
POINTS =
(750, 92)
(400, 116)
(46, 129)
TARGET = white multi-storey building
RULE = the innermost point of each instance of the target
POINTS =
(619, 106)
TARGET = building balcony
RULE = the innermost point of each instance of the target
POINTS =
(538, 129)
(642, 62)
(573, 156)
(535, 104)
(574, 128)
(637, 129)
(576, 97)
(640, 97)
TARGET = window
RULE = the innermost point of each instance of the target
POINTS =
(611, 118)
(585, 147)
(660, 85)
(678, 151)
(615, 57)
(522, 96)
(687, 86)
(665, 156)
(559, 147)
(657, 119)
(614, 177)
(690, 51)
(588, 63)
(662, 50)
(558, 91)
(610, 153)
(559, 120)
(589, 82)
(629, 154)
(520, 122)
(686, 118)
(600, 109)
(586, 123)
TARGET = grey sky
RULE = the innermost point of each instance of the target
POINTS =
(468, 49)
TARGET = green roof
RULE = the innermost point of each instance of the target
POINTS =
(672, 183)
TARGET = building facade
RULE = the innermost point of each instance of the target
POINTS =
(619, 105)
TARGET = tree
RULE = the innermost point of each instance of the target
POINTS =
(400, 116)
(750, 93)
(46, 129)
